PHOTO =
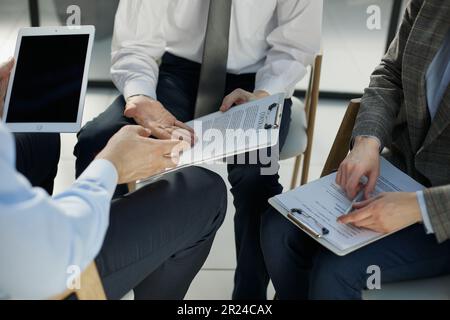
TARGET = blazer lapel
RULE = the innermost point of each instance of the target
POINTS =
(441, 120)
(427, 36)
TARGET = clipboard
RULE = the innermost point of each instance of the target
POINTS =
(318, 235)
(314, 208)
(272, 108)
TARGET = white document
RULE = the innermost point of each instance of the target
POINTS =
(323, 201)
(244, 128)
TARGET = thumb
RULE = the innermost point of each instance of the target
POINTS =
(6, 67)
(130, 110)
(144, 132)
(139, 130)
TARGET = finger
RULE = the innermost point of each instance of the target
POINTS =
(173, 147)
(160, 133)
(137, 130)
(6, 67)
(344, 177)
(3, 86)
(232, 98)
(364, 223)
(143, 132)
(130, 110)
(170, 163)
(338, 176)
(370, 187)
(355, 216)
(353, 183)
(182, 134)
(362, 204)
(183, 126)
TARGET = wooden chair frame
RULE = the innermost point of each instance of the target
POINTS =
(311, 102)
(341, 144)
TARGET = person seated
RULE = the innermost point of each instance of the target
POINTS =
(406, 109)
(154, 240)
(174, 60)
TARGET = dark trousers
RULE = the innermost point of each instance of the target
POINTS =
(159, 237)
(37, 157)
(177, 91)
(300, 268)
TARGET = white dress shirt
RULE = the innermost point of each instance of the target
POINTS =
(277, 39)
(41, 236)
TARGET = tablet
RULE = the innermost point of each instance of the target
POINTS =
(47, 87)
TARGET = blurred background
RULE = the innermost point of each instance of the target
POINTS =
(350, 53)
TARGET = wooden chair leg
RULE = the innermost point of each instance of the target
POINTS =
(296, 172)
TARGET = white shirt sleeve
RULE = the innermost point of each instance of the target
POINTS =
(424, 211)
(138, 43)
(294, 44)
(42, 236)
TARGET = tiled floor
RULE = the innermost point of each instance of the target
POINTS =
(215, 281)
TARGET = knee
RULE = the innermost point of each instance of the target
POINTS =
(335, 277)
(283, 243)
(210, 188)
(88, 140)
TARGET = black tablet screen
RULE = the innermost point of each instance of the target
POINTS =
(48, 79)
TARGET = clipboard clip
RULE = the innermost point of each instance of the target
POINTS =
(277, 120)
(317, 231)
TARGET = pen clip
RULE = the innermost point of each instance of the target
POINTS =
(305, 226)
(277, 121)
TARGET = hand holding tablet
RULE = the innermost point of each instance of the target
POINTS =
(48, 83)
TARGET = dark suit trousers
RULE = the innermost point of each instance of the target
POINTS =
(158, 238)
(37, 157)
(177, 91)
(300, 268)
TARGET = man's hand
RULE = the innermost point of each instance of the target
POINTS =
(152, 115)
(5, 70)
(136, 156)
(363, 160)
(385, 213)
(240, 96)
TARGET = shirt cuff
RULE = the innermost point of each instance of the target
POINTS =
(104, 172)
(139, 87)
(274, 86)
(424, 211)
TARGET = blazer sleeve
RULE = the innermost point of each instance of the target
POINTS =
(381, 101)
(437, 200)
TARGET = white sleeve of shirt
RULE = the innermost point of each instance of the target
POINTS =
(424, 211)
(294, 45)
(42, 236)
(138, 43)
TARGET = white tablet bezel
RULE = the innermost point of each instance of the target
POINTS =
(51, 127)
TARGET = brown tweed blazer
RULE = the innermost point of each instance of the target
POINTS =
(394, 107)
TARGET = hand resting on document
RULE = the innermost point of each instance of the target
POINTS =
(385, 213)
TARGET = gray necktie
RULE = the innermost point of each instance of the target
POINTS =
(215, 57)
